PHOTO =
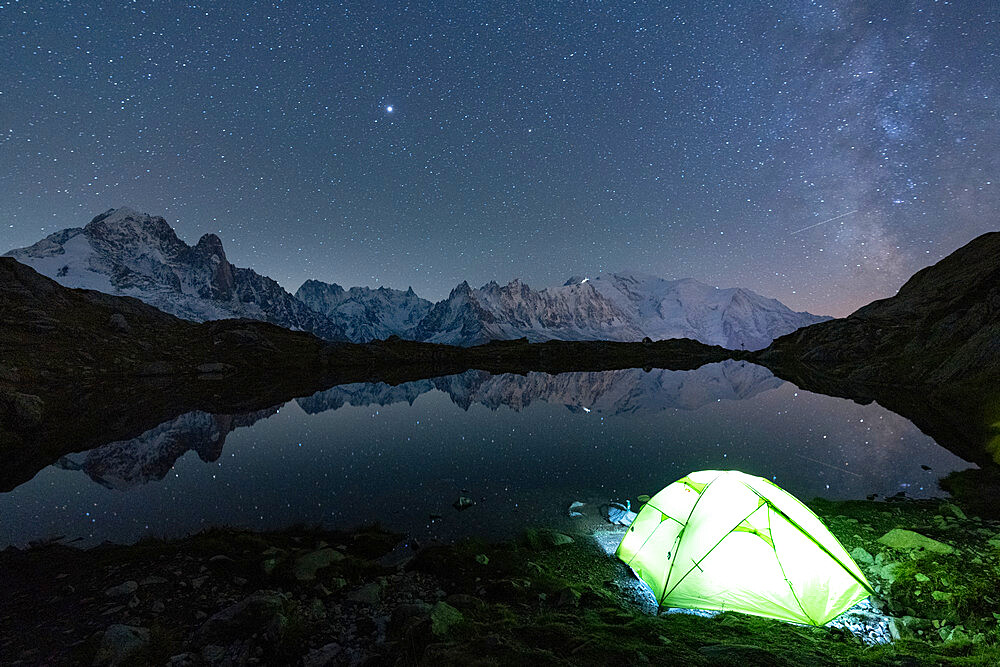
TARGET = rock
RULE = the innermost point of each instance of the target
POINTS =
(120, 590)
(555, 539)
(153, 581)
(406, 616)
(119, 642)
(574, 509)
(910, 627)
(444, 617)
(887, 571)
(898, 538)
(482, 559)
(157, 607)
(949, 633)
(214, 368)
(323, 656)
(213, 653)
(369, 594)
(182, 659)
(862, 557)
(260, 612)
(464, 602)
(117, 322)
(221, 559)
(956, 510)
(156, 368)
(306, 566)
(463, 503)
(24, 410)
(198, 582)
(273, 556)
(921, 577)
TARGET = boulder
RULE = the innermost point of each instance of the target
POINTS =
(898, 538)
(368, 594)
(862, 557)
(306, 566)
(120, 642)
(260, 612)
(443, 617)
(121, 590)
(328, 654)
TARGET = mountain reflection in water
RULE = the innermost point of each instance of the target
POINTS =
(523, 446)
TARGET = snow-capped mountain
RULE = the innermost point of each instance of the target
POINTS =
(625, 307)
(735, 318)
(572, 312)
(133, 254)
(608, 392)
(128, 253)
(365, 313)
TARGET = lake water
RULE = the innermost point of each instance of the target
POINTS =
(521, 447)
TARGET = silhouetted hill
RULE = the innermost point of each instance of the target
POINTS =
(943, 326)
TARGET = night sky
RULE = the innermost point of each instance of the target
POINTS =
(816, 152)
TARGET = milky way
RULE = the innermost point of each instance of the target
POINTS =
(425, 144)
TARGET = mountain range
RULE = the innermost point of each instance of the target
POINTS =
(124, 252)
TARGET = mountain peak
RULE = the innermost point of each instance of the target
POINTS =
(124, 252)
(126, 225)
(210, 244)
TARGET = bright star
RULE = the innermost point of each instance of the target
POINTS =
(389, 109)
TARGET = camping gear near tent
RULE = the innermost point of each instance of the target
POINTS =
(725, 540)
(619, 513)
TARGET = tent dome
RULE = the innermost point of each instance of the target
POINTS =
(725, 540)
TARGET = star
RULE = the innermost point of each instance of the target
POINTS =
(388, 109)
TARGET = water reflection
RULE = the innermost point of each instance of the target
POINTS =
(628, 391)
(125, 464)
(523, 446)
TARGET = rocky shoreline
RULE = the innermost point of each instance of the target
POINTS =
(314, 597)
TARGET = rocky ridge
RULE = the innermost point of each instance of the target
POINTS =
(127, 253)
(942, 327)
(366, 314)
(124, 252)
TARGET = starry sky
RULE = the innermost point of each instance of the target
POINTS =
(816, 152)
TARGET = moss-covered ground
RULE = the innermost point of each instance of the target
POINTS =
(315, 597)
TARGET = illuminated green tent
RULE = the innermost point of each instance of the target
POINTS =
(726, 540)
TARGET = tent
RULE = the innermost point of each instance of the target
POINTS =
(725, 540)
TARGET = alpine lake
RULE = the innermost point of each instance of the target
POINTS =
(472, 454)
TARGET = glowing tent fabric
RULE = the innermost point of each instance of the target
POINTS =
(726, 540)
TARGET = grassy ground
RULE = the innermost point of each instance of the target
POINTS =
(252, 598)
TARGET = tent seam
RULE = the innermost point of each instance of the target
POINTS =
(812, 539)
(651, 533)
(697, 564)
(659, 603)
(781, 567)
